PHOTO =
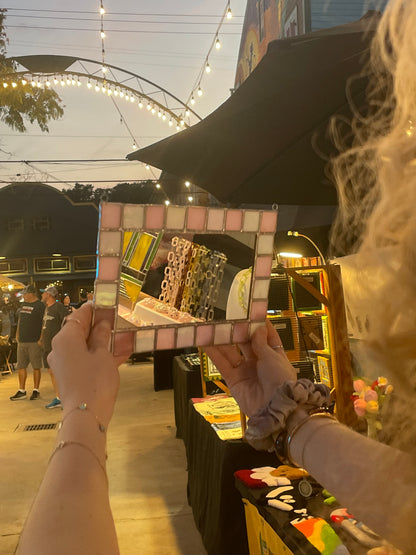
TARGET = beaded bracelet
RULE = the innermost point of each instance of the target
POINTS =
(83, 407)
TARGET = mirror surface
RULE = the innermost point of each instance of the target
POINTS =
(180, 278)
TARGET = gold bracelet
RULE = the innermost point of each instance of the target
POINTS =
(83, 407)
(62, 444)
(329, 417)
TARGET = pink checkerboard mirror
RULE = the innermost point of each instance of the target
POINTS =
(181, 276)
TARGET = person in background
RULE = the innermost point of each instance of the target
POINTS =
(52, 322)
(82, 298)
(67, 304)
(28, 350)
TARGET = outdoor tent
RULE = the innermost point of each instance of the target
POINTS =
(262, 144)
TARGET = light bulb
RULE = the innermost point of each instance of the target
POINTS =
(134, 146)
(103, 89)
(104, 69)
(148, 107)
(187, 112)
(102, 10)
(153, 110)
(24, 82)
(97, 88)
(217, 43)
(62, 83)
(89, 86)
(132, 98)
(170, 123)
(73, 82)
(109, 92)
(192, 100)
(121, 94)
(199, 91)
(187, 184)
(147, 167)
(140, 104)
(5, 85)
(79, 82)
(163, 117)
(178, 128)
(127, 97)
(208, 68)
(102, 35)
(229, 13)
(14, 85)
(115, 92)
(181, 123)
(38, 84)
(55, 80)
(159, 114)
(68, 81)
(190, 199)
(167, 202)
(48, 83)
(157, 185)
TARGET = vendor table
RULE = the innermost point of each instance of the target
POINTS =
(216, 504)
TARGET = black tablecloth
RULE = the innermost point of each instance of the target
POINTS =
(186, 384)
(216, 504)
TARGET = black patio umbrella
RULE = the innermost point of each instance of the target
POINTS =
(260, 146)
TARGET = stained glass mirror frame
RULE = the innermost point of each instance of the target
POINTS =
(116, 218)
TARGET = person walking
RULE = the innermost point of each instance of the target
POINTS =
(28, 350)
(52, 322)
(67, 304)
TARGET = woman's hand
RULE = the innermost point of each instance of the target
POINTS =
(253, 377)
(84, 368)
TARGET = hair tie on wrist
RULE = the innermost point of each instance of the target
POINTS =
(270, 422)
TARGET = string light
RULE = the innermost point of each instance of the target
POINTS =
(190, 199)
(157, 185)
(147, 167)
(14, 85)
(102, 10)
(24, 82)
(187, 184)
(229, 12)
(217, 43)
(167, 202)
(192, 100)
(199, 91)
(89, 86)
(102, 34)
(207, 68)
(140, 104)
(5, 85)
(55, 80)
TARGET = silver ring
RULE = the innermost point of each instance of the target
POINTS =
(277, 347)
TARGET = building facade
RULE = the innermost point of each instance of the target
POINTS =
(45, 238)
(268, 20)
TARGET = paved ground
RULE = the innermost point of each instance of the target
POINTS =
(146, 465)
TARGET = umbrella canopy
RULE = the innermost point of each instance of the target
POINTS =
(6, 281)
(260, 146)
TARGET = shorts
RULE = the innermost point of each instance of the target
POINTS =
(29, 353)
(45, 358)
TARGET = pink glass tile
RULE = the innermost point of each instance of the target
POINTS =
(263, 266)
(258, 310)
(241, 332)
(123, 343)
(204, 335)
(108, 268)
(109, 242)
(234, 220)
(145, 341)
(104, 314)
(269, 221)
(155, 216)
(165, 338)
(222, 334)
(110, 215)
(215, 220)
(254, 326)
(196, 218)
(185, 337)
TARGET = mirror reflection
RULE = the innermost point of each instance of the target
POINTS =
(174, 277)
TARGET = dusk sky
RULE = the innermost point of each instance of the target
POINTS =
(163, 41)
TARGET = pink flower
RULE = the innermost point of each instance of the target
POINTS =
(358, 385)
(371, 395)
(360, 407)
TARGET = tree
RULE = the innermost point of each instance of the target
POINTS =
(20, 102)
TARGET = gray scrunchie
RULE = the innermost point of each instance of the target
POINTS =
(271, 420)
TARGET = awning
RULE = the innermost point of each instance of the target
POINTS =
(260, 146)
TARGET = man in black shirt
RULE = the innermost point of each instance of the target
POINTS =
(28, 334)
(52, 322)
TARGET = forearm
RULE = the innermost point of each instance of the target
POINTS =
(374, 481)
(73, 496)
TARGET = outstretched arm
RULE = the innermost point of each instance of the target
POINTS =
(71, 512)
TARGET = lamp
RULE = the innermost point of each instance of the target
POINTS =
(297, 234)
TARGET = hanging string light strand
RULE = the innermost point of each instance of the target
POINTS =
(102, 35)
(206, 68)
